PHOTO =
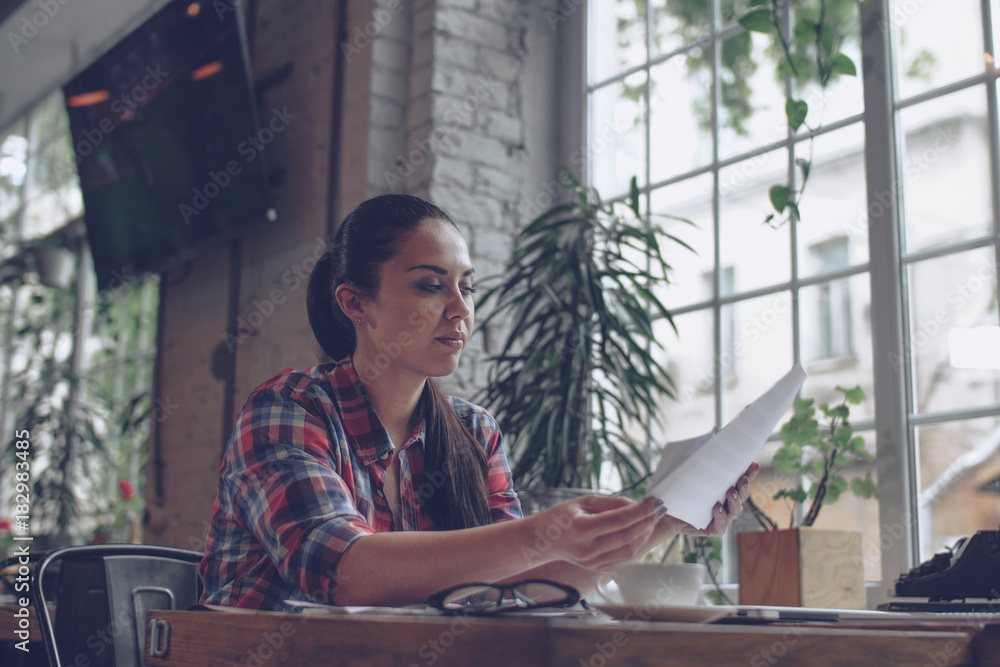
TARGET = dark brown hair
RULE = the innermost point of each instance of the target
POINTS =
(369, 236)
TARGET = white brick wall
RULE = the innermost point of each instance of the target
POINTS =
(448, 122)
(452, 19)
(390, 82)
(389, 109)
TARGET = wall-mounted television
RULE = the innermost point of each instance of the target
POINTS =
(167, 141)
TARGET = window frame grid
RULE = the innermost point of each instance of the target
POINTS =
(717, 34)
(914, 419)
(895, 424)
(83, 297)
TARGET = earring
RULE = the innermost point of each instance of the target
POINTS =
(359, 321)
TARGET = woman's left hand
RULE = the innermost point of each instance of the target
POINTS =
(723, 514)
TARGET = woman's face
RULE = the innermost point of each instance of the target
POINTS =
(421, 318)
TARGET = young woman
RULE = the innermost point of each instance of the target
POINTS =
(359, 482)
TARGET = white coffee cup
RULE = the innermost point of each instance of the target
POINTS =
(653, 584)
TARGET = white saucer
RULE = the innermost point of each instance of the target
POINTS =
(670, 613)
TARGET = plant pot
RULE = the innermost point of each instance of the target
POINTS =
(55, 266)
(802, 567)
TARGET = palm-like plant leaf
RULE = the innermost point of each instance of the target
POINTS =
(575, 379)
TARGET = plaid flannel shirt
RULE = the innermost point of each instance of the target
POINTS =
(302, 479)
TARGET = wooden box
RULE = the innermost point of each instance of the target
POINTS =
(802, 567)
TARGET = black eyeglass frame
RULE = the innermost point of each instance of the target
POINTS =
(437, 600)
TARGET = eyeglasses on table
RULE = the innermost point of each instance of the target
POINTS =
(482, 598)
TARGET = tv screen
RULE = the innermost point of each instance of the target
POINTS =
(167, 143)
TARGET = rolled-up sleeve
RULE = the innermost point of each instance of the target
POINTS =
(504, 503)
(286, 489)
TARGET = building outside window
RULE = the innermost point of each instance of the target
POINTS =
(889, 279)
(832, 314)
(728, 354)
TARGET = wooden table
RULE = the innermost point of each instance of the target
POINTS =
(10, 655)
(9, 623)
(258, 639)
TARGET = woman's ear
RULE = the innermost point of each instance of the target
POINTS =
(348, 297)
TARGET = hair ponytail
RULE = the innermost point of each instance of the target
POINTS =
(325, 317)
(369, 236)
(461, 498)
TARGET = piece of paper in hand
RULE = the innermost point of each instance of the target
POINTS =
(692, 475)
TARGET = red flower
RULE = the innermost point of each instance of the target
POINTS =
(127, 491)
(5, 525)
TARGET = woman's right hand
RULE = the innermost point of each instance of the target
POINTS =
(595, 532)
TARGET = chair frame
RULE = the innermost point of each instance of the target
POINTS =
(96, 550)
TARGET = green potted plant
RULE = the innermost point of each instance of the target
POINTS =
(810, 52)
(575, 380)
(814, 456)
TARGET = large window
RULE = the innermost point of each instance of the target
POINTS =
(75, 364)
(889, 279)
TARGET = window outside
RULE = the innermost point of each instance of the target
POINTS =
(75, 365)
(701, 119)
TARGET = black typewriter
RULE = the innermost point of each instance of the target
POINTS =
(965, 578)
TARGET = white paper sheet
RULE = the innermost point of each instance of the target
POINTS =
(692, 475)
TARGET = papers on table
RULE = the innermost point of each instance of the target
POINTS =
(692, 475)
(307, 607)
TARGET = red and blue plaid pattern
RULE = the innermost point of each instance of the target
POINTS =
(302, 479)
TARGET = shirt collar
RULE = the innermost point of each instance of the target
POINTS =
(366, 433)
